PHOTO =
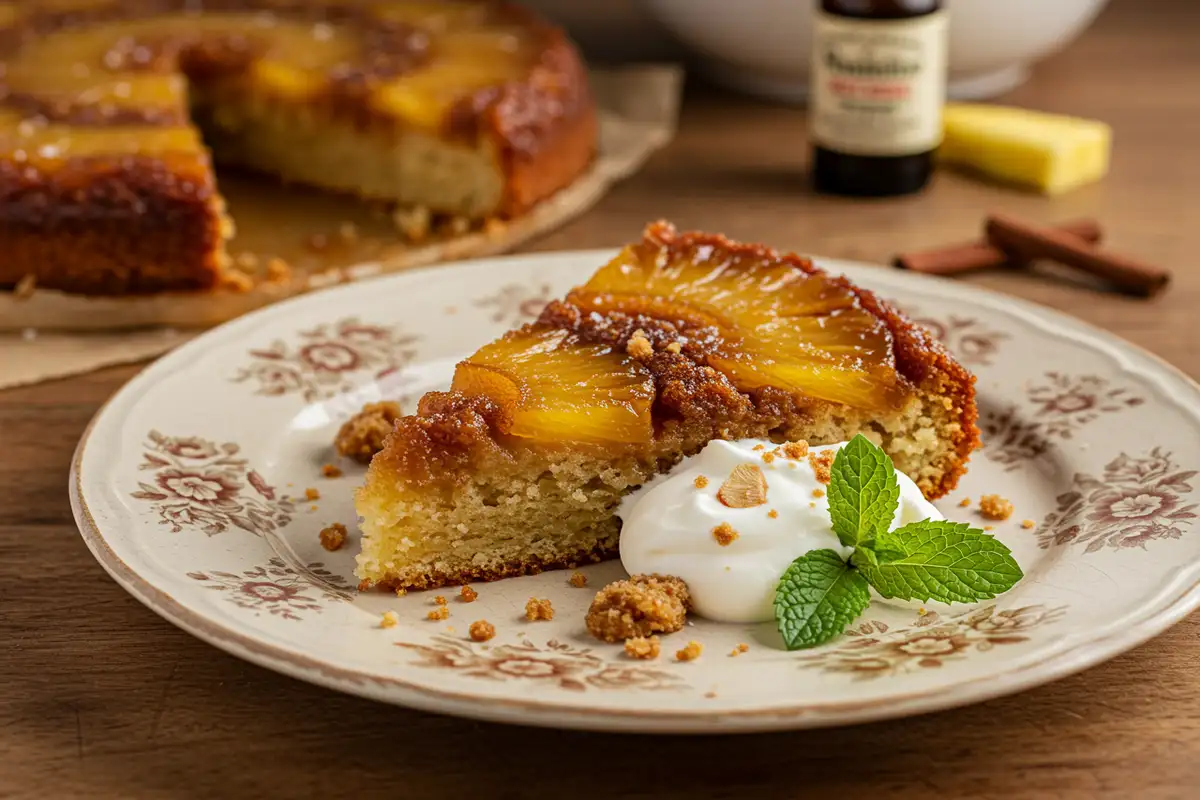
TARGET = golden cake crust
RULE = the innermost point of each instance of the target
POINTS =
(65, 196)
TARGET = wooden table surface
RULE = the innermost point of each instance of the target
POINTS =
(99, 697)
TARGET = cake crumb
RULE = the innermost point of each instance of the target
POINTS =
(966, 501)
(481, 630)
(795, 450)
(700, 482)
(439, 613)
(989, 527)
(638, 607)
(710, 695)
(278, 270)
(690, 652)
(362, 435)
(773, 514)
(758, 447)
(365, 585)
(331, 471)
(993, 506)
(231, 279)
(822, 465)
(414, 223)
(812, 504)
(494, 227)
(675, 347)
(768, 458)
(439, 599)
(643, 647)
(639, 346)
(468, 595)
(348, 232)
(389, 619)
(921, 611)
(333, 536)
(401, 591)
(741, 648)
(536, 609)
(818, 492)
(578, 579)
(724, 534)
(246, 260)
(311, 494)
(1028, 523)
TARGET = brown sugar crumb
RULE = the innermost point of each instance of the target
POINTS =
(643, 647)
(311, 494)
(768, 458)
(741, 648)
(724, 534)
(746, 487)
(481, 630)
(389, 619)
(362, 435)
(675, 347)
(690, 652)
(822, 465)
(537, 609)
(639, 346)
(331, 471)
(993, 506)
(468, 595)
(773, 514)
(440, 599)
(278, 270)
(638, 607)
(818, 492)
(578, 580)
(966, 501)
(333, 536)
(758, 447)
(700, 482)
(795, 450)
(1028, 523)
(439, 613)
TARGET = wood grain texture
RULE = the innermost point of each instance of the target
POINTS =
(100, 698)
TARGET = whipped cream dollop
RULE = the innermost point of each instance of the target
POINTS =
(668, 525)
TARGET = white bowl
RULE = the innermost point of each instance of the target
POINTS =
(764, 46)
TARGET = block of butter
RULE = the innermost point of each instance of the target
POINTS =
(1049, 153)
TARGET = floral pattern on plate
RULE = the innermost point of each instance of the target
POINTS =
(872, 650)
(327, 359)
(279, 589)
(1135, 501)
(572, 668)
(201, 485)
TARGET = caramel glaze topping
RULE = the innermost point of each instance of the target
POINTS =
(452, 432)
(367, 62)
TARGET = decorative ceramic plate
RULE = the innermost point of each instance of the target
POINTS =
(190, 488)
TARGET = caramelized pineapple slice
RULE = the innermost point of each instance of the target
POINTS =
(779, 325)
(552, 387)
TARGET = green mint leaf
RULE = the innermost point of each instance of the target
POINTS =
(818, 596)
(863, 493)
(940, 560)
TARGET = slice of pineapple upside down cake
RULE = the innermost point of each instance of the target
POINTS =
(683, 338)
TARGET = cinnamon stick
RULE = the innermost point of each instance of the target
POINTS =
(957, 259)
(1030, 242)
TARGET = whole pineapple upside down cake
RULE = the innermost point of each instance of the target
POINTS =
(681, 339)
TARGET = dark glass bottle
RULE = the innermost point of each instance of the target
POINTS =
(878, 86)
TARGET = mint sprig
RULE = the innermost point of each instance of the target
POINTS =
(863, 492)
(820, 594)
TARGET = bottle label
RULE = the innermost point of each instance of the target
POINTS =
(878, 86)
